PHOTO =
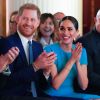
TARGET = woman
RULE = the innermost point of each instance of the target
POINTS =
(46, 29)
(71, 61)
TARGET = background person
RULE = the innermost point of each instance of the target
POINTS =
(58, 16)
(46, 29)
(91, 41)
(13, 22)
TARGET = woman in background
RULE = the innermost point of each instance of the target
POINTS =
(46, 29)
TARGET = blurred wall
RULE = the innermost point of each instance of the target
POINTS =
(2, 17)
(69, 7)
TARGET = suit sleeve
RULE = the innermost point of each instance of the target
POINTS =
(27, 73)
(94, 78)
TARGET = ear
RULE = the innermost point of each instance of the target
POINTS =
(95, 19)
(76, 35)
(17, 18)
(38, 23)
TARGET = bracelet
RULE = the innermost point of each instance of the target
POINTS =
(36, 67)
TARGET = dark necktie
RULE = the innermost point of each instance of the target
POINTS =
(30, 53)
(33, 88)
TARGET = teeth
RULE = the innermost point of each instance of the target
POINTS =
(27, 28)
(46, 30)
(66, 37)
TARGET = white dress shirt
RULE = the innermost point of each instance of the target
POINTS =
(44, 43)
(24, 41)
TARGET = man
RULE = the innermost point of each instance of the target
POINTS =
(58, 16)
(13, 22)
(23, 73)
(91, 41)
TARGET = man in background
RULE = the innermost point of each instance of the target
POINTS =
(58, 16)
(91, 41)
(13, 22)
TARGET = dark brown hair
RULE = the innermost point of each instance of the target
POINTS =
(44, 17)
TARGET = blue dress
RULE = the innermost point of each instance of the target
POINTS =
(66, 89)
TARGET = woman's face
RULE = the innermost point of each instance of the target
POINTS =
(67, 31)
(47, 27)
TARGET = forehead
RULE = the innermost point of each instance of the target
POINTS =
(29, 13)
(98, 14)
(48, 19)
(66, 23)
(59, 16)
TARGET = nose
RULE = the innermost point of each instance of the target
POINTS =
(28, 22)
(47, 25)
(65, 31)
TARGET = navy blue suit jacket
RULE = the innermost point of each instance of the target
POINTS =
(22, 74)
(3, 78)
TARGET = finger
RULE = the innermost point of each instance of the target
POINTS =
(51, 60)
(78, 47)
(11, 55)
(50, 54)
(14, 52)
(78, 44)
(50, 63)
(53, 57)
(43, 54)
(16, 48)
(10, 58)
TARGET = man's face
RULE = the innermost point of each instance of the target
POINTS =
(28, 22)
(97, 23)
(58, 17)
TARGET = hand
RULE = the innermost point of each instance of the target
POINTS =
(76, 53)
(8, 58)
(12, 54)
(45, 60)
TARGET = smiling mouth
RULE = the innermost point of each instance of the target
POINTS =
(66, 37)
(47, 30)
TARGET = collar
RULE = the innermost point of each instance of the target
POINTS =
(44, 43)
(23, 38)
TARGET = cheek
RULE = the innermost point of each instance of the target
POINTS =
(20, 23)
(41, 26)
(38, 22)
(53, 28)
(98, 27)
(41, 29)
(60, 35)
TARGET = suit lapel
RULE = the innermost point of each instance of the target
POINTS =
(37, 50)
(20, 46)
